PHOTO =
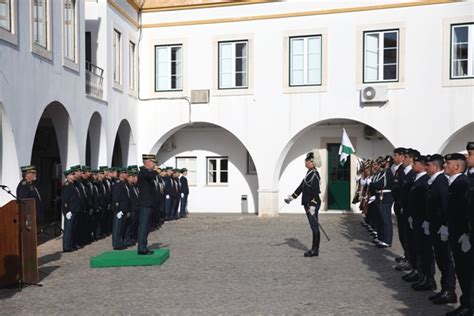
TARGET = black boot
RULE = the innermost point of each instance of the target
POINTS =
(314, 251)
(446, 297)
(429, 284)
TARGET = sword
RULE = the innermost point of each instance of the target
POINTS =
(322, 229)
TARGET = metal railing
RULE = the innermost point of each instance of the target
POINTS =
(94, 81)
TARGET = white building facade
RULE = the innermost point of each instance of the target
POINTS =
(281, 79)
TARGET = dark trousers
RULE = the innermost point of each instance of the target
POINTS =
(424, 247)
(443, 259)
(374, 216)
(168, 208)
(69, 231)
(471, 298)
(175, 206)
(463, 266)
(144, 215)
(183, 206)
(385, 202)
(132, 229)
(401, 223)
(117, 231)
(314, 224)
(411, 251)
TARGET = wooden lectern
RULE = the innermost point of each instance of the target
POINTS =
(18, 245)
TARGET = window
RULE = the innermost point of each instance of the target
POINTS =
(117, 57)
(69, 31)
(40, 23)
(217, 170)
(190, 164)
(168, 68)
(305, 60)
(233, 65)
(381, 56)
(131, 65)
(5, 15)
(250, 165)
(462, 51)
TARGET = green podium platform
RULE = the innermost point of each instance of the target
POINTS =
(129, 258)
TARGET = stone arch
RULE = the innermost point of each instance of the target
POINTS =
(124, 151)
(200, 140)
(457, 141)
(96, 148)
(368, 142)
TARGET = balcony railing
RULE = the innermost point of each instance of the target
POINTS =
(94, 81)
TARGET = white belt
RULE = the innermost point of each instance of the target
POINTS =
(384, 191)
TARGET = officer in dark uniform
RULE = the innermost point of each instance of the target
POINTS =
(383, 197)
(459, 227)
(27, 190)
(470, 175)
(79, 237)
(436, 217)
(101, 194)
(132, 225)
(90, 204)
(397, 170)
(106, 228)
(184, 193)
(71, 208)
(168, 178)
(310, 200)
(161, 193)
(146, 200)
(120, 208)
(176, 193)
(420, 249)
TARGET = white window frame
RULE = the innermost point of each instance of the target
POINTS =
(184, 162)
(233, 72)
(380, 55)
(217, 170)
(169, 75)
(10, 34)
(306, 57)
(132, 51)
(70, 35)
(7, 4)
(117, 38)
(42, 48)
(470, 51)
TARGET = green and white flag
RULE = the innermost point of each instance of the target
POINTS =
(346, 148)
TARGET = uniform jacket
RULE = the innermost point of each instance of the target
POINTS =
(133, 198)
(146, 187)
(416, 207)
(184, 185)
(436, 201)
(26, 190)
(310, 189)
(383, 181)
(458, 207)
(70, 198)
(121, 198)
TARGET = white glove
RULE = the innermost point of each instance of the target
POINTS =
(312, 210)
(68, 215)
(288, 199)
(426, 228)
(443, 232)
(182, 195)
(167, 196)
(465, 243)
(371, 199)
(410, 222)
(368, 181)
(119, 215)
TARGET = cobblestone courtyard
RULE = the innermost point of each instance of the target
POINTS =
(230, 264)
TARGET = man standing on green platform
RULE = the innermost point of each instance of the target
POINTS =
(146, 198)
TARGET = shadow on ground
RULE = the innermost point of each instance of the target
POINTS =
(381, 261)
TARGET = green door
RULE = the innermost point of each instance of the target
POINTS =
(338, 180)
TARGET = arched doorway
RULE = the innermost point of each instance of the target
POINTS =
(54, 149)
(222, 175)
(124, 151)
(95, 146)
(457, 142)
(337, 181)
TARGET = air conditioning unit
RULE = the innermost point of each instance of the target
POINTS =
(199, 96)
(373, 94)
(371, 133)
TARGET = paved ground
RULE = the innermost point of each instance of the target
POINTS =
(229, 264)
